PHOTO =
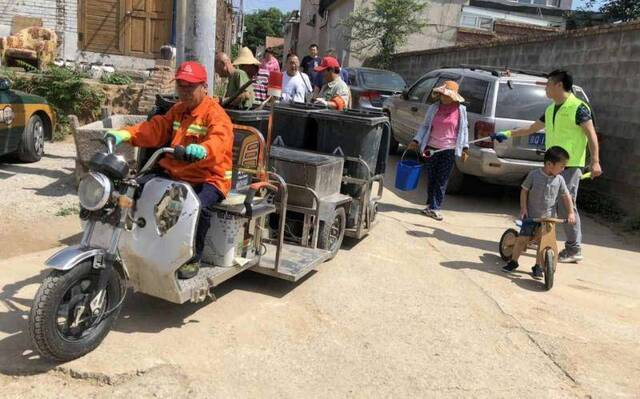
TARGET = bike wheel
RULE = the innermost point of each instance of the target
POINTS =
(507, 243)
(549, 268)
(61, 323)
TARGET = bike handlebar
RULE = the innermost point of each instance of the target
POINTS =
(552, 220)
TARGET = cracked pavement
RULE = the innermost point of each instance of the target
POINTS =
(418, 309)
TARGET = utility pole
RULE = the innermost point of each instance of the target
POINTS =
(196, 34)
(241, 23)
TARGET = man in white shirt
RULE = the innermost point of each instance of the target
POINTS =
(295, 84)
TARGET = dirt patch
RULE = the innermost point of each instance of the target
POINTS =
(39, 202)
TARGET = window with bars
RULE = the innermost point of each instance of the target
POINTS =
(548, 3)
(476, 21)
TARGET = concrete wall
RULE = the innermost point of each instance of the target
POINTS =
(442, 18)
(336, 33)
(307, 34)
(59, 15)
(605, 61)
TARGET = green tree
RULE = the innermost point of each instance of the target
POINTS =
(379, 29)
(618, 10)
(263, 23)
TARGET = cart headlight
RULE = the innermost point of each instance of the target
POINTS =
(94, 191)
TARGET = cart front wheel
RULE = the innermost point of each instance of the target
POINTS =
(549, 268)
(331, 234)
(507, 243)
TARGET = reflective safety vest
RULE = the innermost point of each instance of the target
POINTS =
(208, 125)
(563, 131)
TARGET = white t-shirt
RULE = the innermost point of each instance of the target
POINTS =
(295, 88)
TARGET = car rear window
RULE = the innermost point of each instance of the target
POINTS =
(521, 101)
(383, 80)
(474, 92)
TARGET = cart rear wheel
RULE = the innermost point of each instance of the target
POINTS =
(331, 235)
(549, 268)
(507, 243)
(373, 211)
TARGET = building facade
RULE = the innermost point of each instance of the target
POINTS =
(124, 33)
(448, 22)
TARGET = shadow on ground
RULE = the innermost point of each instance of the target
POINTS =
(486, 198)
(140, 313)
(63, 184)
(492, 264)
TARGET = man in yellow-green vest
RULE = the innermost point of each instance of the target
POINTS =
(568, 123)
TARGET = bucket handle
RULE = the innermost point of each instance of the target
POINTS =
(405, 153)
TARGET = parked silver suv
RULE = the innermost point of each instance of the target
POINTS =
(496, 100)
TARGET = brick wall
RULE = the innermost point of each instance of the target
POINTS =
(59, 15)
(604, 60)
(502, 30)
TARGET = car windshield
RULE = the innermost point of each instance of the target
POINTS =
(384, 80)
(521, 101)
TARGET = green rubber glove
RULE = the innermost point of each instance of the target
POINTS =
(118, 135)
(195, 152)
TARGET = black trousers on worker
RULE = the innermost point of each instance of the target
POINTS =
(209, 195)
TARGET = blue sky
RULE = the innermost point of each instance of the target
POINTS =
(284, 5)
(288, 5)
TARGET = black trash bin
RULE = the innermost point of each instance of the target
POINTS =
(358, 133)
(294, 125)
(258, 119)
(361, 134)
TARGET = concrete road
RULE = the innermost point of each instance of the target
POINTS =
(418, 309)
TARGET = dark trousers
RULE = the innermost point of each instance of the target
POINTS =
(209, 195)
(439, 168)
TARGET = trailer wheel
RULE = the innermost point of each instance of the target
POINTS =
(331, 235)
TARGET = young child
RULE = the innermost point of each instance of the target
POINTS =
(541, 191)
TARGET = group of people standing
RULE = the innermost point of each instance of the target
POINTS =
(314, 79)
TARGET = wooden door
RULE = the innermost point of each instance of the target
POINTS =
(147, 26)
(135, 28)
(101, 26)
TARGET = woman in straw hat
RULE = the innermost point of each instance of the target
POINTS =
(445, 128)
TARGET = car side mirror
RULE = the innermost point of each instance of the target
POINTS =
(5, 84)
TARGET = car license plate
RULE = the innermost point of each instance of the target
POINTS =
(536, 139)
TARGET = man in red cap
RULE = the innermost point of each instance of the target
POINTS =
(198, 123)
(335, 93)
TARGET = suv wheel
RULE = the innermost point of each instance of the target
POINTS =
(393, 145)
(457, 181)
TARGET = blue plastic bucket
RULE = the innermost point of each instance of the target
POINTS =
(408, 174)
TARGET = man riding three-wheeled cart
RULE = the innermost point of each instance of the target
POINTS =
(211, 201)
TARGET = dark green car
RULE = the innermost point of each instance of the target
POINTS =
(26, 121)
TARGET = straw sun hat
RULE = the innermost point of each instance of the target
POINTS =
(450, 89)
(245, 57)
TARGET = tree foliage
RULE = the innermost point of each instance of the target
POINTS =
(379, 29)
(263, 23)
(618, 10)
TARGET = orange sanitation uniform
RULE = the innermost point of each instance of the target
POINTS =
(207, 125)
